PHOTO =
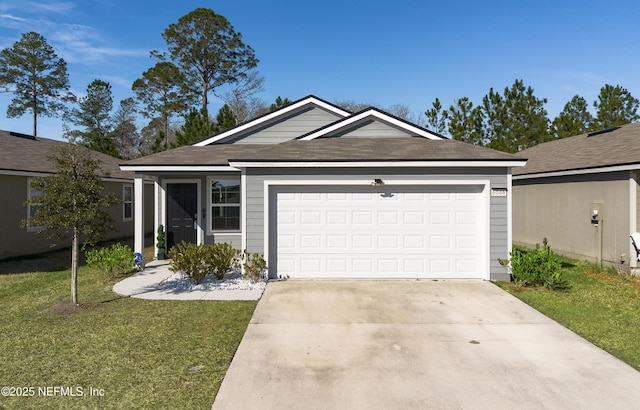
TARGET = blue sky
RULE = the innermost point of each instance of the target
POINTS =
(378, 52)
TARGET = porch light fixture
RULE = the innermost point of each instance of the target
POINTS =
(377, 182)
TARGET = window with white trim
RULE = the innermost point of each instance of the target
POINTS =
(32, 192)
(225, 205)
(127, 202)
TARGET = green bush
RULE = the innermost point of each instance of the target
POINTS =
(114, 260)
(254, 266)
(537, 267)
(197, 261)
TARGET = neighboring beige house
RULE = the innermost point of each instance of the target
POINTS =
(23, 157)
(582, 194)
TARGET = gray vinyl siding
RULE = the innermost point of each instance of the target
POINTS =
(288, 128)
(498, 241)
(373, 129)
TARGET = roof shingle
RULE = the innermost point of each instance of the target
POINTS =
(620, 146)
(24, 153)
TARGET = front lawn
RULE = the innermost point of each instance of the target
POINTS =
(602, 306)
(128, 353)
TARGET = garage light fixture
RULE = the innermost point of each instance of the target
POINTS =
(377, 182)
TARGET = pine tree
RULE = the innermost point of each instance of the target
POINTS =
(574, 119)
(37, 77)
(615, 106)
(197, 127)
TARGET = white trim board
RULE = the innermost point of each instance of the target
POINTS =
(177, 168)
(371, 113)
(614, 168)
(374, 164)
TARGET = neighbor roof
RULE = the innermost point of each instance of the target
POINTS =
(20, 153)
(618, 146)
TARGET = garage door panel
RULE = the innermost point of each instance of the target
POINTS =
(407, 232)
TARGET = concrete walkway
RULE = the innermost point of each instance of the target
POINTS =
(148, 284)
(415, 345)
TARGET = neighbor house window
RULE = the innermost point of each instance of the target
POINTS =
(225, 205)
(32, 192)
(127, 202)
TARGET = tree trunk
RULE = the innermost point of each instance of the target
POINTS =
(35, 123)
(74, 267)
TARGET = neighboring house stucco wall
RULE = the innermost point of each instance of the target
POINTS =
(547, 207)
(637, 181)
(16, 240)
(498, 205)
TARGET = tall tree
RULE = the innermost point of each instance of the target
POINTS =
(515, 121)
(615, 106)
(94, 116)
(162, 90)
(225, 119)
(125, 133)
(241, 99)
(197, 127)
(279, 103)
(437, 117)
(73, 203)
(208, 51)
(37, 77)
(465, 121)
(574, 119)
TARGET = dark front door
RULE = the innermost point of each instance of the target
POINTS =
(182, 211)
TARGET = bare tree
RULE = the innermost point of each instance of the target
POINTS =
(241, 98)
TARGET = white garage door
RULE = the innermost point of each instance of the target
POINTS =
(374, 232)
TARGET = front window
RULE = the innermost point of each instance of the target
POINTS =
(127, 202)
(225, 205)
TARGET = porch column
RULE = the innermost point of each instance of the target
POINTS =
(138, 214)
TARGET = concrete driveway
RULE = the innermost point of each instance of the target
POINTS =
(415, 344)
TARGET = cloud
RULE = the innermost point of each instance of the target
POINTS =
(54, 7)
(76, 43)
(59, 7)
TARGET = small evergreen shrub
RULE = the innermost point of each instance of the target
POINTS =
(197, 261)
(112, 261)
(255, 266)
(537, 267)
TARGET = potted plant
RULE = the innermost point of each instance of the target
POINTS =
(160, 243)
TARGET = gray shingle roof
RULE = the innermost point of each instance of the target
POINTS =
(617, 147)
(326, 149)
(212, 155)
(376, 149)
(25, 153)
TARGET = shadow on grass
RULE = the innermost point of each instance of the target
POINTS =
(55, 260)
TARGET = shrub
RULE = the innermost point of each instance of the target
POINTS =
(538, 267)
(160, 243)
(197, 261)
(254, 266)
(114, 260)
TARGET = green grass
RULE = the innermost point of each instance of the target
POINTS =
(144, 354)
(602, 306)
